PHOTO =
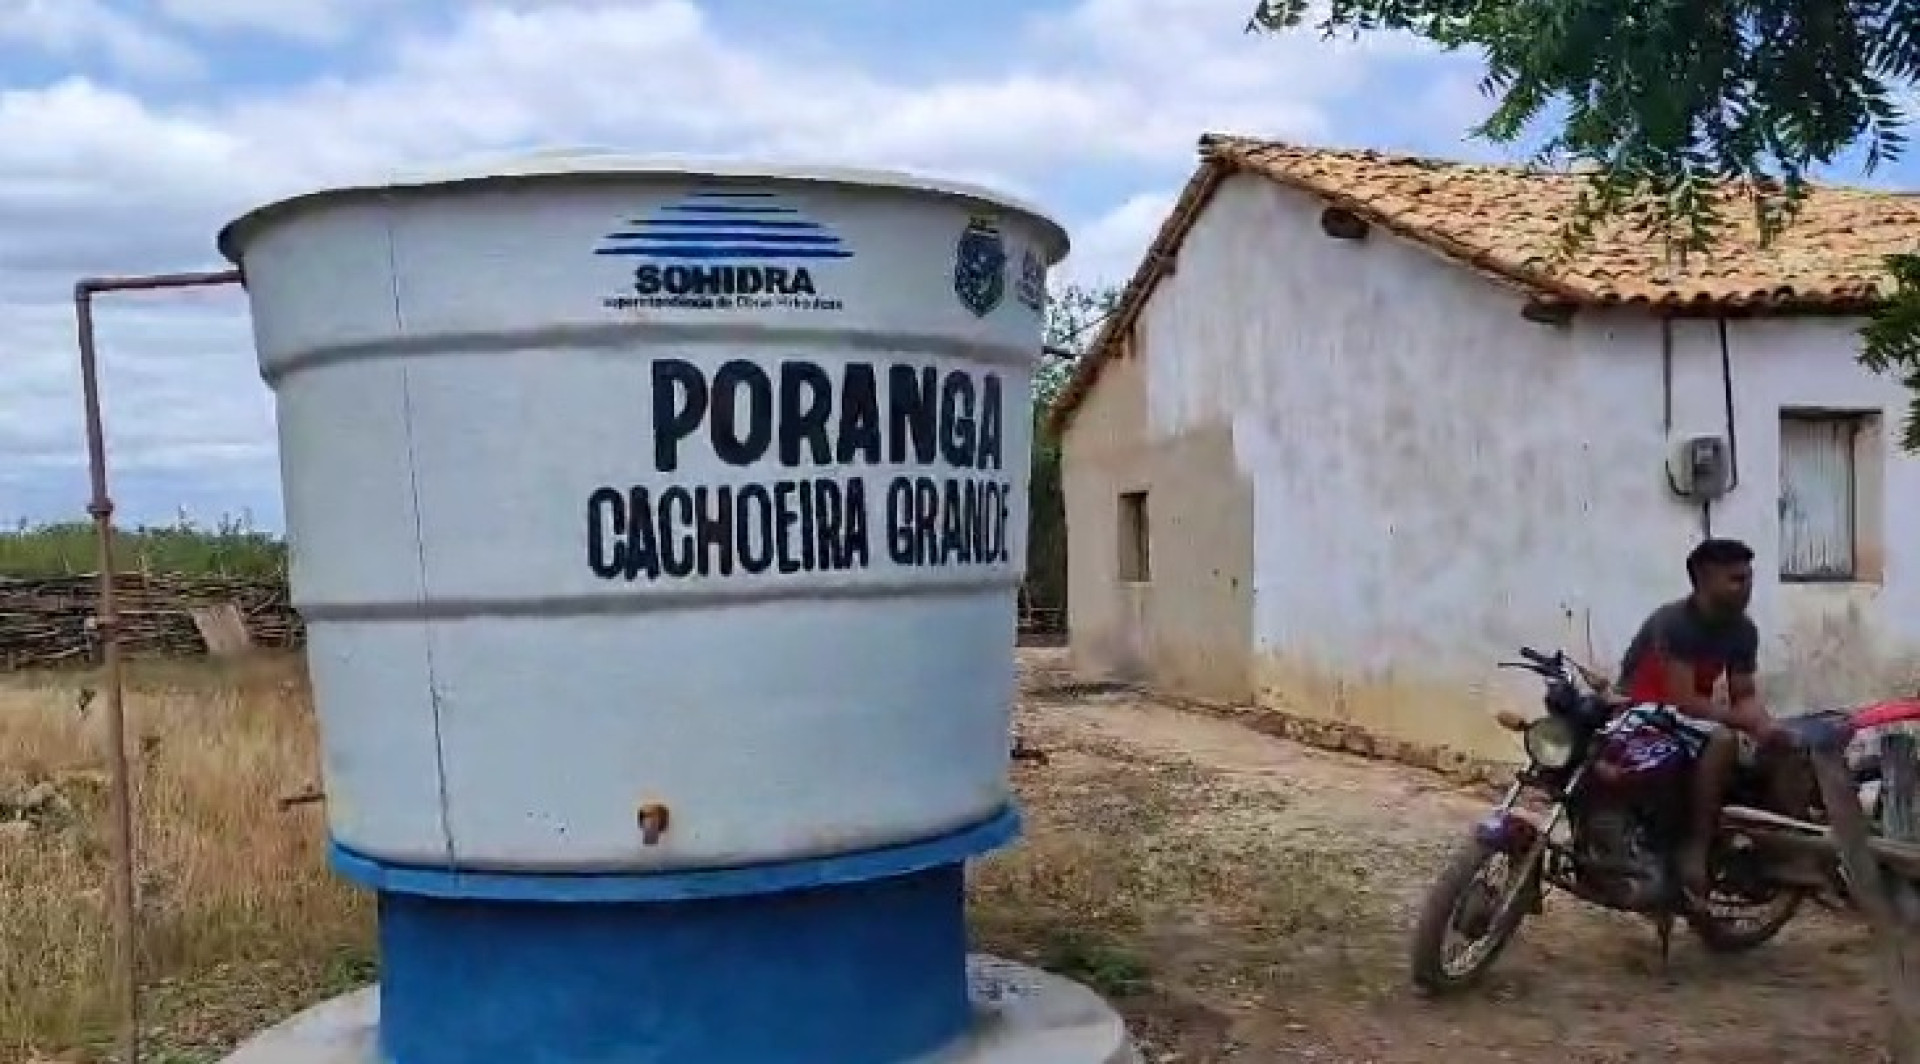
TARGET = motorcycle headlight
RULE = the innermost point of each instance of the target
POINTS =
(1549, 742)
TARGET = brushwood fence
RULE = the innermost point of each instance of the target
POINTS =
(48, 622)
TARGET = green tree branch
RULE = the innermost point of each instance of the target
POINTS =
(1074, 318)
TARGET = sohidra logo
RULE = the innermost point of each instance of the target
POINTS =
(725, 250)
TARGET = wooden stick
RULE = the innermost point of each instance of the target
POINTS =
(1899, 774)
(306, 797)
(1871, 891)
(1897, 777)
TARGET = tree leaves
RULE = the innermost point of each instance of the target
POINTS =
(1890, 341)
(1682, 107)
(1074, 318)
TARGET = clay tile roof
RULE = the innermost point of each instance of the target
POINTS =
(1505, 221)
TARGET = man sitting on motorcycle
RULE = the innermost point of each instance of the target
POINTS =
(1675, 659)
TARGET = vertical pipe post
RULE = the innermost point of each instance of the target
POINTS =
(106, 629)
(126, 966)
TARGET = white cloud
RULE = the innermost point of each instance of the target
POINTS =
(69, 29)
(303, 20)
(1107, 250)
(95, 178)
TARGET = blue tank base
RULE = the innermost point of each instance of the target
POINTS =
(856, 960)
(1018, 1015)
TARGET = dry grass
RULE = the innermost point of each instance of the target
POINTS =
(1117, 882)
(234, 892)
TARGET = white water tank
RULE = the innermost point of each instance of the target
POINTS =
(612, 484)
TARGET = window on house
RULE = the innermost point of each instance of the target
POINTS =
(1823, 485)
(1135, 552)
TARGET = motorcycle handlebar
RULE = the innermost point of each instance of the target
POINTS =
(1544, 666)
(1541, 671)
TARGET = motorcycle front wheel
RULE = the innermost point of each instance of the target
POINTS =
(1470, 902)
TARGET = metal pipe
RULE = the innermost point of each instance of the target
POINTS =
(1791, 831)
(1726, 395)
(87, 286)
(107, 625)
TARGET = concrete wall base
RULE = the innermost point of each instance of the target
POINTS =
(1021, 1016)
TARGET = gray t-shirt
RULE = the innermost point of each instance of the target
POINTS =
(1679, 632)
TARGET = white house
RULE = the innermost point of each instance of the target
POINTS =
(1355, 434)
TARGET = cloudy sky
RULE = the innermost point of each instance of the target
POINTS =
(131, 129)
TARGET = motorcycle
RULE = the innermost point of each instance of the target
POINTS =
(1614, 782)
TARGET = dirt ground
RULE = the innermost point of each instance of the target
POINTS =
(1299, 873)
(1241, 898)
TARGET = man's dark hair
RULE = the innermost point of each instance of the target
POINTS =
(1716, 552)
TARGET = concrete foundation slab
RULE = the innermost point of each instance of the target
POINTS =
(1021, 1016)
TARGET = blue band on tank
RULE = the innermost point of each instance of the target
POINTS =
(588, 887)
